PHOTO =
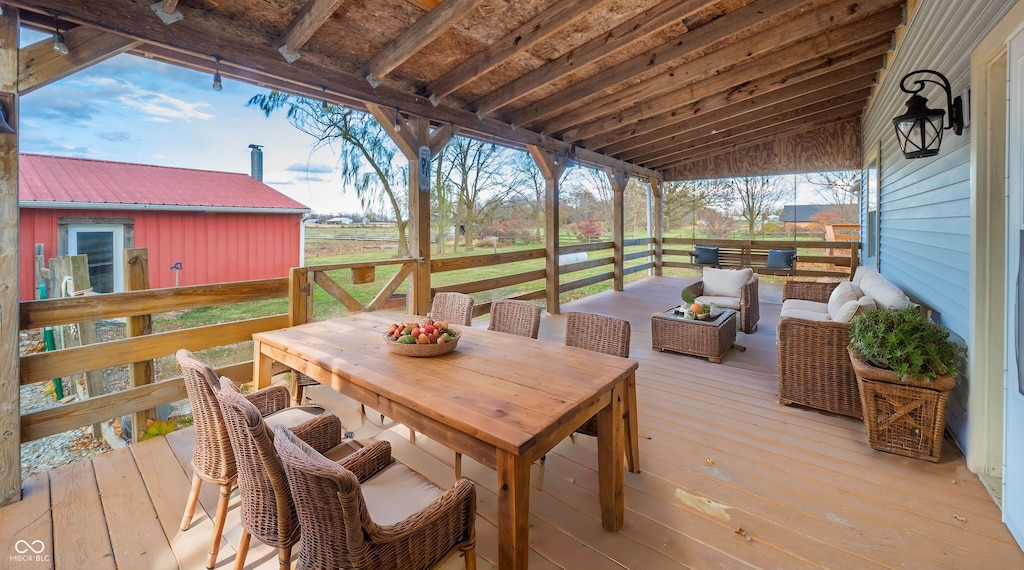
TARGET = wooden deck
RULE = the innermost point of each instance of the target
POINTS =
(731, 479)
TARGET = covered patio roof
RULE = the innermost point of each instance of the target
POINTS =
(664, 90)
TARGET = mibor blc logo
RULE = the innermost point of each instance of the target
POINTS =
(29, 551)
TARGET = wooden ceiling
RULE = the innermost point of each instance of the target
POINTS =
(674, 88)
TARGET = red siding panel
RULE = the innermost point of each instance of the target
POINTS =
(212, 248)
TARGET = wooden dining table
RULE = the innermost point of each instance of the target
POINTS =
(503, 400)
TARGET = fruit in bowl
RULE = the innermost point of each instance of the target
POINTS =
(425, 338)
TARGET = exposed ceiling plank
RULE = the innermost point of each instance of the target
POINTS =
(687, 82)
(39, 65)
(855, 91)
(634, 29)
(833, 146)
(738, 25)
(426, 29)
(536, 29)
(798, 124)
(614, 135)
(309, 19)
(679, 125)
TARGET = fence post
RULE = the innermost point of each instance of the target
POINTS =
(300, 306)
(136, 278)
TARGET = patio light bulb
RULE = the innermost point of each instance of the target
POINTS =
(217, 85)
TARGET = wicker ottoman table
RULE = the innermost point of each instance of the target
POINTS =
(710, 339)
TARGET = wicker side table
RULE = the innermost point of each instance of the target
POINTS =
(710, 339)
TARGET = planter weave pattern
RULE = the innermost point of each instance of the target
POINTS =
(905, 418)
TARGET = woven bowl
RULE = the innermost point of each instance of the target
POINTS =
(422, 350)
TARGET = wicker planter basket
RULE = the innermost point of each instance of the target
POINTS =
(905, 418)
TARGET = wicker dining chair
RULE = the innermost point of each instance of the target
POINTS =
(368, 511)
(515, 317)
(456, 308)
(213, 461)
(267, 509)
(600, 334)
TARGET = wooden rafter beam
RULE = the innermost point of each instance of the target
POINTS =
(838, 100)
(727, 68)
(39, 65)
(615, 135)
(734, 28)
(686, 62)
(636, 28)
(522, 38)
(797, 125)
(708, 114)
(425, 30)
(309, 19)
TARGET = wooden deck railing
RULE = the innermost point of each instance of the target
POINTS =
(815, 258)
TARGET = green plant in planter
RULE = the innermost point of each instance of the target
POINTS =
(904, 341)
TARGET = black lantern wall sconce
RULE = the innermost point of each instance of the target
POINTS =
(919, 130)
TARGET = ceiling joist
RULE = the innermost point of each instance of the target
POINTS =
(312, 16)
(39, 65)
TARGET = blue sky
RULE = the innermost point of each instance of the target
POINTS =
(131, 109)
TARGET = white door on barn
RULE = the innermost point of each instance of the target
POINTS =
(104, 245)
(1013, 426)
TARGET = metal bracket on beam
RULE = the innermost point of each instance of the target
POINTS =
(434, 100)
(288, 55)
(166, 18)
(373, 82)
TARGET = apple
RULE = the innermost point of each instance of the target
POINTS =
(423, 339)
(440, 340)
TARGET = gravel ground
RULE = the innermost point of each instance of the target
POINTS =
(60, 449)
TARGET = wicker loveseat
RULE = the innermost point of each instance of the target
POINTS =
(813, 331)
(731, 288)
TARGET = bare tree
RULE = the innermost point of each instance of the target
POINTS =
(366, 152)
(757, 197)
(687, 201)
(840, 189)
(480, 182)
(530, 187)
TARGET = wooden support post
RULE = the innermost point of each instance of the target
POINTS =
(136, 278)
(617, 178)
(551, 166)
(10, 371)
(656, 229)
(299, 296)
(419, 145)
(854, 257)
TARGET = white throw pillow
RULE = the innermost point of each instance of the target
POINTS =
(725, 282)
(851, 309)
(842, 294)
(889, 296)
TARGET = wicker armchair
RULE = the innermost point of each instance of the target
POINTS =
(213, 460)
(749, 306)
(268, 512)
(515, 317)
(369, 512)
(814, 367)
(600, 334)
(456, 308)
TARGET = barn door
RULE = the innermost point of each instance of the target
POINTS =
(103, 244)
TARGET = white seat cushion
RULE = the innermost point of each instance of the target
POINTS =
(805, 305)
(803, 314)
(727, 302)
(293, 416)
(396, 493)
(725, 282)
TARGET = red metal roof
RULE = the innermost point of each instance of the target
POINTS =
(57, 180)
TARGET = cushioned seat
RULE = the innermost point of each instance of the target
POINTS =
(730, 288)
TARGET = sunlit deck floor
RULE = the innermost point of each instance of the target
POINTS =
(730, 479)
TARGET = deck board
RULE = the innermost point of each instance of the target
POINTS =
(30, 520)
(718, 452)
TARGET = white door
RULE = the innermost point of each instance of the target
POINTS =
(103, 244)
(1013, 427)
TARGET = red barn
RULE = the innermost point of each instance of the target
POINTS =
(219, 226)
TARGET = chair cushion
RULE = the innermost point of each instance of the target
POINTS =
(851, 309)
(862, 270)
(842, 294)
(805, 305)
(725, 282)
(803, 314)
(727, 302)
(889, 296)
(705, 255)
(293, 416)
(396, 493)
(780, 258)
